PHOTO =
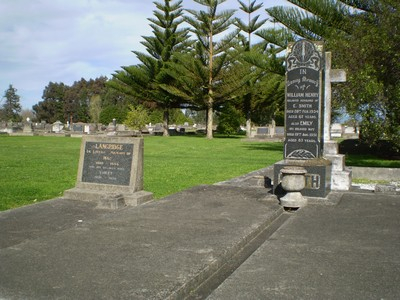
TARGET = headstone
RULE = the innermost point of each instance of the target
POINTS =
(77, 127)
(336, 130)
(87, 129)
(57, 127)
(279, 131)
(262, 132)
(110, 172)
(303, 101)
(27, 126)
(112, 128)
(303, 118)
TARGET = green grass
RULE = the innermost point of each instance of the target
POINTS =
(38, 168)
(176, 163)
(368, 160)
(369, 181)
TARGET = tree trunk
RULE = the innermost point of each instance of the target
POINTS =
(210, 121)
(165, 123)
(247, 107)
(248, 128)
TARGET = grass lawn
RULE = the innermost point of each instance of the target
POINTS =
(368, 160)
(38, 168)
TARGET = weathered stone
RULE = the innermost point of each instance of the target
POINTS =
(110, 166)
(293, 182)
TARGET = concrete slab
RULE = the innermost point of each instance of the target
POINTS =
(347, 251)
(45, 218)
(62, 249)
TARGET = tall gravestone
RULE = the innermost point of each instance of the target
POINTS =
(110, 172)
(303, 145)
(303, 101)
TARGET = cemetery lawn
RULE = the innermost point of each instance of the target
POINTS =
(36, 168)
(39, 168)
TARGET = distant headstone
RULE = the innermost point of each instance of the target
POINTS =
(27, 126)
(110, 172)
(57, 127)
(336, 130)
(77, 127)
(262, 130)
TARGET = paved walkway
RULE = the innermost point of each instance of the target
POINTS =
(220, 242)
(347, 251)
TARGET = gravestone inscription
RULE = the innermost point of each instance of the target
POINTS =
(303, 101)
(107, 163)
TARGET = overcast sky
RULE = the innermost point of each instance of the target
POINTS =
(66, 40)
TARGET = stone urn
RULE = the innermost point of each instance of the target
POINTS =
(293, 182)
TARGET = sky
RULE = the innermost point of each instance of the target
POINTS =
(44, 41)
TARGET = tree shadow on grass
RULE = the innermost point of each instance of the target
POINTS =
(273, 146)
(215, 136)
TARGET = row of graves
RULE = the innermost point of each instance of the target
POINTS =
(79, 129)
(337, 130)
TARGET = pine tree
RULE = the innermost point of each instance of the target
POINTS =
(11, 107)
(143, 80)
(207, 25)
(251, 27)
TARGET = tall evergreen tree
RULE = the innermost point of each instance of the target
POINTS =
(11, 106)
(52, 107)
(207, 25)
(143, 80)
(249, 28)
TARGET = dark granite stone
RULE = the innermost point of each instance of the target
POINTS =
(107, 163)
(303, 102)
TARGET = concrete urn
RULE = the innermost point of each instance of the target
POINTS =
(293, 182)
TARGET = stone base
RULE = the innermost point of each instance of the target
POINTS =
(338, 161)
(293, 200)
(318, 177)
(108, 200)
(138, 198)
(341, 180)
(331, 148)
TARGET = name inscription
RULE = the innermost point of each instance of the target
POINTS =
(303, 103)
(107, 163)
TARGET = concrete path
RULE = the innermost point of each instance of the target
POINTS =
(347, 251)
(61, 249)
(220, 242)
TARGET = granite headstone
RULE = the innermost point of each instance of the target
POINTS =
(110, 172)
(303, 118)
